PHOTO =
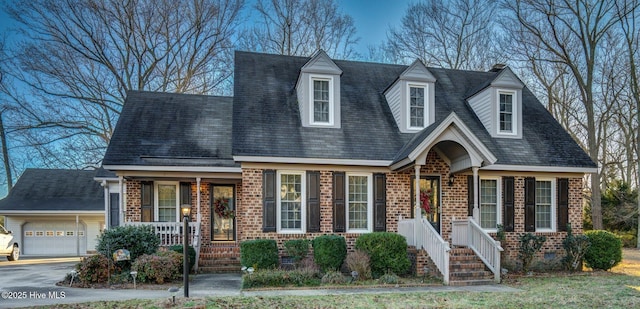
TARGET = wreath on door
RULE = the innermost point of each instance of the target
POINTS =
(425, 200)
(222, 209)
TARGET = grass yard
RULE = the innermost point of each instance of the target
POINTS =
(619, 288)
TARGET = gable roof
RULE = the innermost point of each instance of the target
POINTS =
(165, 130)
(54, 190)
(267, 126)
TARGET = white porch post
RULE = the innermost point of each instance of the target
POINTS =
(107, 213)
(476, 210)
(416, 210)
(121, 197)
(199, 217)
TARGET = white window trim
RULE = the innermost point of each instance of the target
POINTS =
(498, 203)
(156, 193)
(554, 206)
(369, 228)
(303, 203)
(425, 105)
(514, 112)
(332, 101)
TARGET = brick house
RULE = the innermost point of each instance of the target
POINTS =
(312, 146)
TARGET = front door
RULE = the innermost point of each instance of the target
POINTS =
(430, 200)
(223, 212)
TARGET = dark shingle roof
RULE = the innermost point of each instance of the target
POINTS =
(170, 129)
(267, 119)
(52, 189)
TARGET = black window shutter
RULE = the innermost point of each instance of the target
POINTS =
(529, 204)
(339, 215)
(563, 204)
(146, 201)
(269, 201)
(379, 202)
(185, 193)
(508, 201)
(313, 201)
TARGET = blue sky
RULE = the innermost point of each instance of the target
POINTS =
(372, 18)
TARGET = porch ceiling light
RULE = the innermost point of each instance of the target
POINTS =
(186, 210)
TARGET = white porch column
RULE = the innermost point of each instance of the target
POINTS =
(121, 202)
(417, 213)
(199, 218)
(476, 210)
(107, 213)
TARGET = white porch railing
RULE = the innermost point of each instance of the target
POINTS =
(466, 232)
(421, 234)
(170, 233)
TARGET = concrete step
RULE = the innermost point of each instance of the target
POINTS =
(471, 282)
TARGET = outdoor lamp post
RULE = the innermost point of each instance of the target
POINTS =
(186, 212)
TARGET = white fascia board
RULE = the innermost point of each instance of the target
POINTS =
(532, 168)
(203, 169)
(50, 212)
(321, 161)
(404, 162)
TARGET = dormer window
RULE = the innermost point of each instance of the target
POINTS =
(506, 112)
(417, 103)
(411, 98)
(322, 100)
(318, 90)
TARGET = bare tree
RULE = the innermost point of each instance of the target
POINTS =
(3, 134)
(80, 58)
(630, 29)
(571, 33)
(458, 34)
(299, 28)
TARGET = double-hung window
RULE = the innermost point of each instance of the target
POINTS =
(359, 203)
(322, 100)
(167, 202)
(544, 205)
(291, 202)
(417, 106)
(506, 112)
(489, 203)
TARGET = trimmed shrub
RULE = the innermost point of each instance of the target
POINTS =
(334, 277)
(95, 269)
(259, 253)
(389, 279)
(576, 247)
(529, 245)
(281, 278)
(158, 268)
(387, 251)
(329, 252)
(298, 249)
(139, 240)
(605, 251)
(191, 253)
(359, 262)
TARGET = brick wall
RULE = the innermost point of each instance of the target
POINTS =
(553, 245)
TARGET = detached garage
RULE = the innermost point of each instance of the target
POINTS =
(55, 212)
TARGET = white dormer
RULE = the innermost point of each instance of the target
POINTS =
(499, 106)
(318, 90)
(411, 98)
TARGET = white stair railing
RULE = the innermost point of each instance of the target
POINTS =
(466, 232)
(421, 234)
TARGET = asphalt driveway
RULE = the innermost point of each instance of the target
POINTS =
(32, 282)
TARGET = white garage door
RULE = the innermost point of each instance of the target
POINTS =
(53, 238)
